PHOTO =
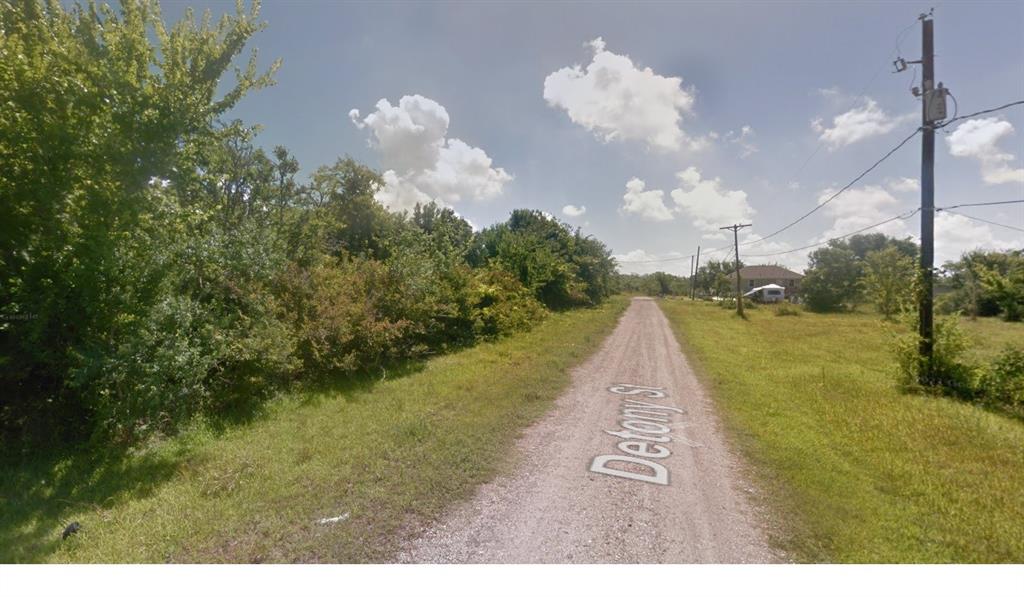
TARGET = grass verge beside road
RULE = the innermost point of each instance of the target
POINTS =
(386, 456)
(857, 471)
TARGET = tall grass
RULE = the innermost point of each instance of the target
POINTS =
(857, 471)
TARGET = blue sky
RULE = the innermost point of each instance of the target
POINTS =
(491, 75)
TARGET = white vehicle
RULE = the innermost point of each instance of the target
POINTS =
(770, 293)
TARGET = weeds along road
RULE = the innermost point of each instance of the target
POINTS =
(629, 466)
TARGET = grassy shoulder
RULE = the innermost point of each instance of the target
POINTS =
(857, 471)
(390, 454)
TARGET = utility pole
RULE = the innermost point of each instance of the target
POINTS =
(696, 268)
(927, 195)
(933, 110)
(736, 242)
(691, 276)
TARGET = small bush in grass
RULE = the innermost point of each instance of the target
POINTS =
(948, 373)
(785, 309)
(1002, 383)
(999, 384)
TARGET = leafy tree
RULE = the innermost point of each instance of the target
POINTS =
(864, 244)
(832, 278)
(449, 234)
(100, 107)
(562, 268)
(889, 279)
(1007, 290)
(967, 279)
(717, 277)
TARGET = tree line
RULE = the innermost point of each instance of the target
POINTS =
(876, 269)
(157, 265)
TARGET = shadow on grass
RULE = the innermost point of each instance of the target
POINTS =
(38, 494)
(42, 492)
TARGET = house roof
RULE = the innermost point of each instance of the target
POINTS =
(761, 272)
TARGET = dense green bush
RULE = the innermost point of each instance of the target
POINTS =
(345, 315)
(998, 384)
(948, 372)
(502, 305)
(1002, 383)
(562, 268)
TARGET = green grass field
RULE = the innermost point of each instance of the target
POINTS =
(857, 471)
(390, 454)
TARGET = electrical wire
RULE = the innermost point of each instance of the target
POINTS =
(985, 221)
(905, 216)
(980, 204)
(956, 105)
(979, 113)
(837, 193)
(848, 186)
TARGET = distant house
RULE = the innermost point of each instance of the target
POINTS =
(754, 276)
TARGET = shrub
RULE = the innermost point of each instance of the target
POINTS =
(1002, 384)
(948, 373)
(341, 311)
(186, 358)
(502, 304)
(786, 309)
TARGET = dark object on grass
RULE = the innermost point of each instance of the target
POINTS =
(69, 530)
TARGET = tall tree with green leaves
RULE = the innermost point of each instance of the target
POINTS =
(832, 280)
(102, 109)
(888, 280)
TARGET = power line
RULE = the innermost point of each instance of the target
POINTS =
(979, 204)
(847, 187)
(826, 241)
(837, 193)
(873, 166)
(979, 113)
(985, 221)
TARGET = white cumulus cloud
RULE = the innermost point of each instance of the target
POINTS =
(649, 205)
(709, 203)
(615, 99)
(573, 211)
(905, 185)
(420, 163)
(956, 235)
(860, 207)
(857, 124)
(979, 138)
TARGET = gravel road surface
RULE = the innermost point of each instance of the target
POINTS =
(579, 494)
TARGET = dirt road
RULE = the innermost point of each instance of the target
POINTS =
(630, 466)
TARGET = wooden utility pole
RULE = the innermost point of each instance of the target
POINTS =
(691, 275)
(933, 110)
(696, 267)
(927, 193)
(736, 243)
